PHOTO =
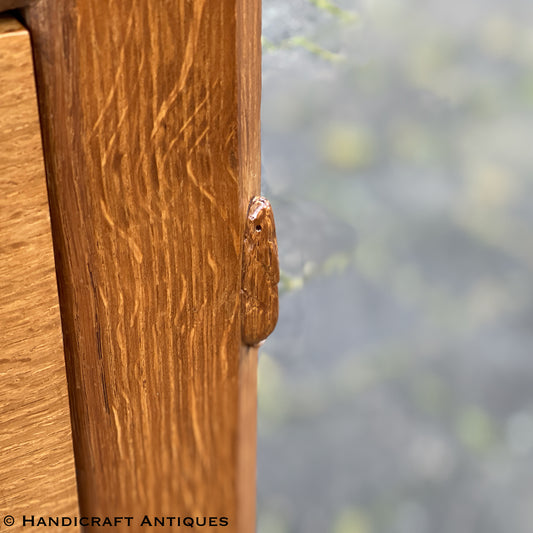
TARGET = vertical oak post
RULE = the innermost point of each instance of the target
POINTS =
(150, 119)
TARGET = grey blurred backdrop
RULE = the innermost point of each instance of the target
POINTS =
(396, 394)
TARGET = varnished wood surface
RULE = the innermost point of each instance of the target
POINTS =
(150, 112)
(36, 458)
(260, 273)
(248, 59)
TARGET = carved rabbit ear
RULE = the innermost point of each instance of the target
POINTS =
(260, 273)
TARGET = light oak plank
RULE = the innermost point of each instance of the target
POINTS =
(37, 474)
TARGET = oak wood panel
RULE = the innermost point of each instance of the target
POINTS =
(248, 68)
(37, 474)
(150, 112)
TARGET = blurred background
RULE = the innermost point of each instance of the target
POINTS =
(396, 394)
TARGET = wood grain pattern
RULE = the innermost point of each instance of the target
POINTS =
(150, 112)
(36, 458)
(260, 273)
(248, 59)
